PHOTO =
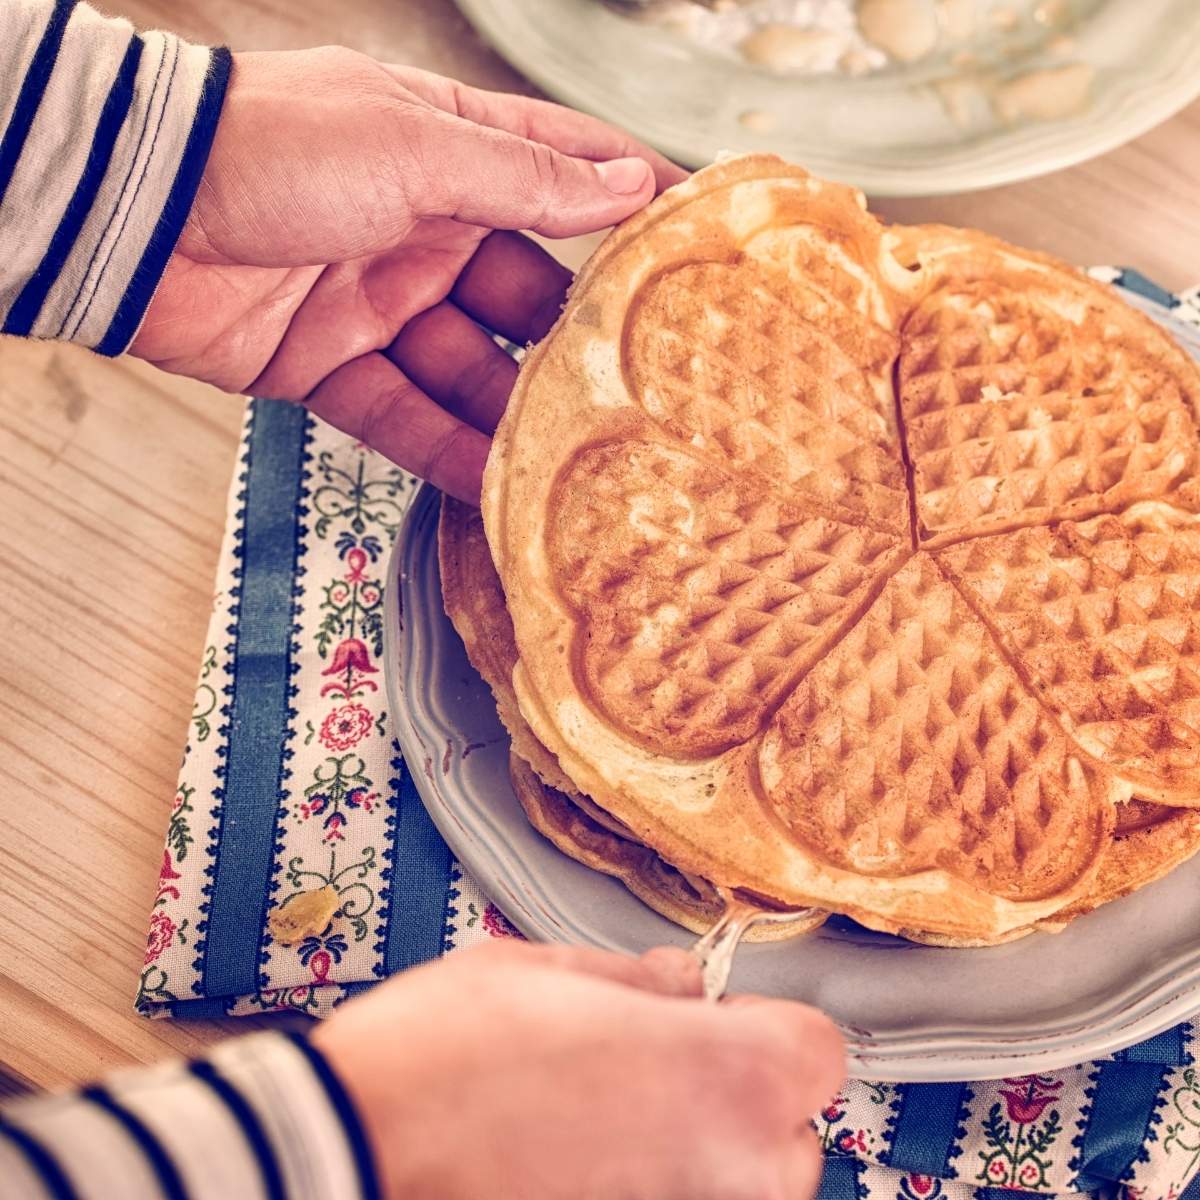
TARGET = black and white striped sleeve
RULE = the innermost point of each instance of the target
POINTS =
(262, 1117)
(104, 134)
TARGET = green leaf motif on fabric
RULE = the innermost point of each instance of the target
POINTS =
(152, 989)
(357, 899)
(340, 787)
(179, 834)
(205, 701)
(1183, 1122)
(353, 609)
(349, 496)
(1019, 1134)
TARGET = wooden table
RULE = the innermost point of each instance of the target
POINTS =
(112, 497)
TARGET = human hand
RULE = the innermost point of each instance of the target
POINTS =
(340, 249)
(540, 1073)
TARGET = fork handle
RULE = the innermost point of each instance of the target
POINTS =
(715, 950)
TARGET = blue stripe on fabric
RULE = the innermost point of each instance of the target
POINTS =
(1192, 1191)
(27, 307)
(200, 1010)
(1136, 282)
(927, 1127)
(32, 89)
(254, 766)
(1169, 1049)
(840, 1179)
(418, 880)
(1002, 1194)
(1123, 1107)
(166, 233)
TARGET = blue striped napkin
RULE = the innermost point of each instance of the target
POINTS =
(292, 781)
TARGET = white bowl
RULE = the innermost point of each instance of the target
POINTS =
(888, 133)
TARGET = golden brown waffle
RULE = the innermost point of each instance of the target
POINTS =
(474, 600)
(1150, 839)
(914, 746)
(1029, 393)
(715, 600)
(1103, 619)
(688, 901)
(831, 438)
(734, 554)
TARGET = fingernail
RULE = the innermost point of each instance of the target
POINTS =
(624, 175)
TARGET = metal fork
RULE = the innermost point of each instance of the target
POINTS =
(715, 950)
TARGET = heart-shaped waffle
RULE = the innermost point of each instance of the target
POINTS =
(813, 535)
(1149, 839)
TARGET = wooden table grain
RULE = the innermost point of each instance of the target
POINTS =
(112, 495)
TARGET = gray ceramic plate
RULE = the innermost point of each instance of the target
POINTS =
(911, 1012)
(889, 133)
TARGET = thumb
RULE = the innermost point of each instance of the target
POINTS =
(489, 177)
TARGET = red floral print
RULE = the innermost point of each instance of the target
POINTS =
(1028, 1097)
(351, 662)
(162, 933)
(497, 924)
(853, 1140)
(346, 726)
(350, 655)
(166, 889)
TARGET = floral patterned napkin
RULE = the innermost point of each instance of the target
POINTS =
(292, 782)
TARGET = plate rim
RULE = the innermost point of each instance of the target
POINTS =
(1158, 97)
(938, 1054)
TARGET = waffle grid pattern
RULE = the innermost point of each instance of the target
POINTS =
(1010, 420)
(769, 583)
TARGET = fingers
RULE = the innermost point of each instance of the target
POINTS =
(485, 176)
(564, 129)
(457, 364)
(807, 1045)
(373, 401)
(665, 970)
(678, 971)
(513, 286)
(800, 1163)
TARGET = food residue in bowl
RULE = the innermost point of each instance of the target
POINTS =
(1043, 94)
(905, 30)
(758, 120)
(986, 61)
(858, 37)
(1047, 94)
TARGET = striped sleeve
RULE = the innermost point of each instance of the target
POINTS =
(262, 1118)
(104, 134)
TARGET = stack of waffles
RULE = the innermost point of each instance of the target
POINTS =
(845, 567)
